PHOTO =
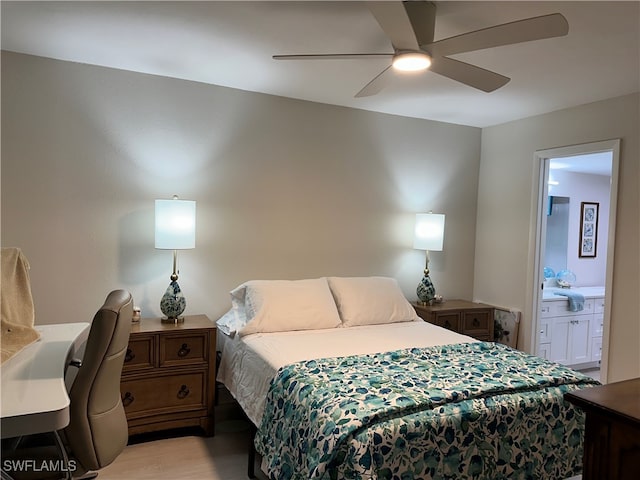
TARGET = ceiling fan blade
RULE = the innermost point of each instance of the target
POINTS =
(536, 28)
(377, 84)
(333, 56)
(394, 21)
(422, 16)
(470, 75)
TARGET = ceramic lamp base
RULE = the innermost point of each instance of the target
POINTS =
(173, 303)
(426, 291)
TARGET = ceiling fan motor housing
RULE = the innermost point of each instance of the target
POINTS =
(409, 61)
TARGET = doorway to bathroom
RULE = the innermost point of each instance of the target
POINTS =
(574, 254)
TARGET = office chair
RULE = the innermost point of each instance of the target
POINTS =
(97, 431)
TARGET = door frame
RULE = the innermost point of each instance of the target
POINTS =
(542, 159)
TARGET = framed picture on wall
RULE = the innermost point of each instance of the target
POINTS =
(588, 229)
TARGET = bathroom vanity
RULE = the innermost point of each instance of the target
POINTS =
(571, 338)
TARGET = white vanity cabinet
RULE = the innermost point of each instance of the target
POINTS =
(597, 325)
(570, 338)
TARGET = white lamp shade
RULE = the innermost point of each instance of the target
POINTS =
(175, 224)
(429, 231)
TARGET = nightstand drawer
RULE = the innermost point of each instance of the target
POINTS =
(183, 349)
(448, 320)
(476, 323)
(163, 394)
(140, 354)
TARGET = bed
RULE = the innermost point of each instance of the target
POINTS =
(343, 381)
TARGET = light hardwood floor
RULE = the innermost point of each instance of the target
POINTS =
(593, 373)
(222, 457)
(189, 457)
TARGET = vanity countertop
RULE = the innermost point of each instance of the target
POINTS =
(549, 293)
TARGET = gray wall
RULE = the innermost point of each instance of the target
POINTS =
(505, 242)
(284, 188)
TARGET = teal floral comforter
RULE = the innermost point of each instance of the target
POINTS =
(467, 411)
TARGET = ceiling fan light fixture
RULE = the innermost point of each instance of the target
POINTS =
(411, 61)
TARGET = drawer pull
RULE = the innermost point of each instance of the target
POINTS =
(184, 351)
(127, 399)
(129, 355)
(447, 324)
(183, 392)
(476, 322)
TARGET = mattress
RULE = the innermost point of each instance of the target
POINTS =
(248, 364)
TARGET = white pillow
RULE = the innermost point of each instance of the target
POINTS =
(370, 301)
(238, 305)
(230, 322)
(283, 305)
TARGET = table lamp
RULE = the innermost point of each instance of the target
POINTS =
(428, 235)
(175, 229)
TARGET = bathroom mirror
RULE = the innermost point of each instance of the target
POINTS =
(555, 253)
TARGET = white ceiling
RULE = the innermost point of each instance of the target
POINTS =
(231, 43)
(600, 163)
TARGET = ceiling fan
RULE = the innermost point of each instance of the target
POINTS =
(410, 27)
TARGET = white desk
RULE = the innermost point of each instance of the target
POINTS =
(34, 394)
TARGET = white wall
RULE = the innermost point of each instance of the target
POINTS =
(507, 195)
(284, 188)
(580, 187)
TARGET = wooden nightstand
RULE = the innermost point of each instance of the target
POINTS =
(462, 316)
(612, 430)
(168, 375)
